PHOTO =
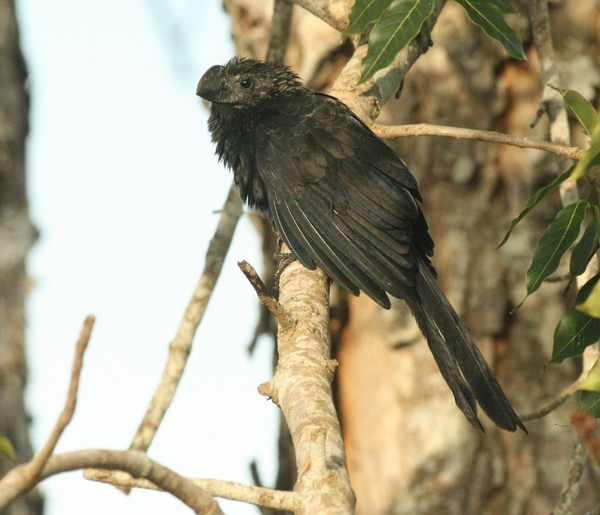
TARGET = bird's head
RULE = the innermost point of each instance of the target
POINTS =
(247, 83)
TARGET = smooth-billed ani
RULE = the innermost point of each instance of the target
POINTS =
(344, 201)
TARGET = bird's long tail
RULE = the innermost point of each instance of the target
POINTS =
(458, 357)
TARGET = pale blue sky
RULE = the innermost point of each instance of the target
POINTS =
(123, 185)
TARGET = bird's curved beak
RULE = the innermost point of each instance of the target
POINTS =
(210, 86)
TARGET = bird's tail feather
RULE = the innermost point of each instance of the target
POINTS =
(453, 348)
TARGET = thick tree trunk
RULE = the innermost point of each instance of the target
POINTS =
(410, 450)
(16, 237)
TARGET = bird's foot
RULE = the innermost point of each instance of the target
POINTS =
(282, 260)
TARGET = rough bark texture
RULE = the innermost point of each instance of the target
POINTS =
(409, 448)
(16, 237)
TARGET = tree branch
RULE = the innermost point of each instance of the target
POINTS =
(270, 302)
(423, 129)
(181, 346)
(22, 478)
(139, 465)
(572, 485)
(554, 404)
(301, 387)
(590, 356)
(259, 496)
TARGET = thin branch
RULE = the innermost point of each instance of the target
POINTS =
(590, 356)
(572, 485)
(181, 345)
(22, 478)
(554, 404)
(271, 303)
(258, 482)
(139, 465)
(423, 129)
(257, 495)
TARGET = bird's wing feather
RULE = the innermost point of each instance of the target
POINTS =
(342, 198)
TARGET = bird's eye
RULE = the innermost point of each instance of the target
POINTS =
(246, 83)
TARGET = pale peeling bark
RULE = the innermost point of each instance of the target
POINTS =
(301, 387)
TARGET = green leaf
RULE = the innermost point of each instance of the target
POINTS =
(590, 403)
(559, 236)
(591, 305)
(539, 195)
(400, 24)
(489, 16)
(504, 6)
(592, 381)
(584, 251)
(576, 330)
(364, 12)
(583, 110)
(590, 158)
(6, 448)
(596, 216)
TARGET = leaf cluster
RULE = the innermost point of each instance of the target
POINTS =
(580, 325)
(395, 23)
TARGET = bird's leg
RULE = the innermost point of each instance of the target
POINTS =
(282, 261)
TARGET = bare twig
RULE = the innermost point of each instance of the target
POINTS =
(272, 304)
(555, 403)
(139, 465)
(590, 355)
(181, 345)
(423, 129)
(256, 495)
(264, 510)
(25, 476)
(570, 490)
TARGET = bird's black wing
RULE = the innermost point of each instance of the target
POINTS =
(341, 198)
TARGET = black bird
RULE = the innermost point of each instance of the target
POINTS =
(344, 201)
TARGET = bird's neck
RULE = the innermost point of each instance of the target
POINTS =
(234, 132)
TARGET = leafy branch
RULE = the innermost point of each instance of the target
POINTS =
(395, 23)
